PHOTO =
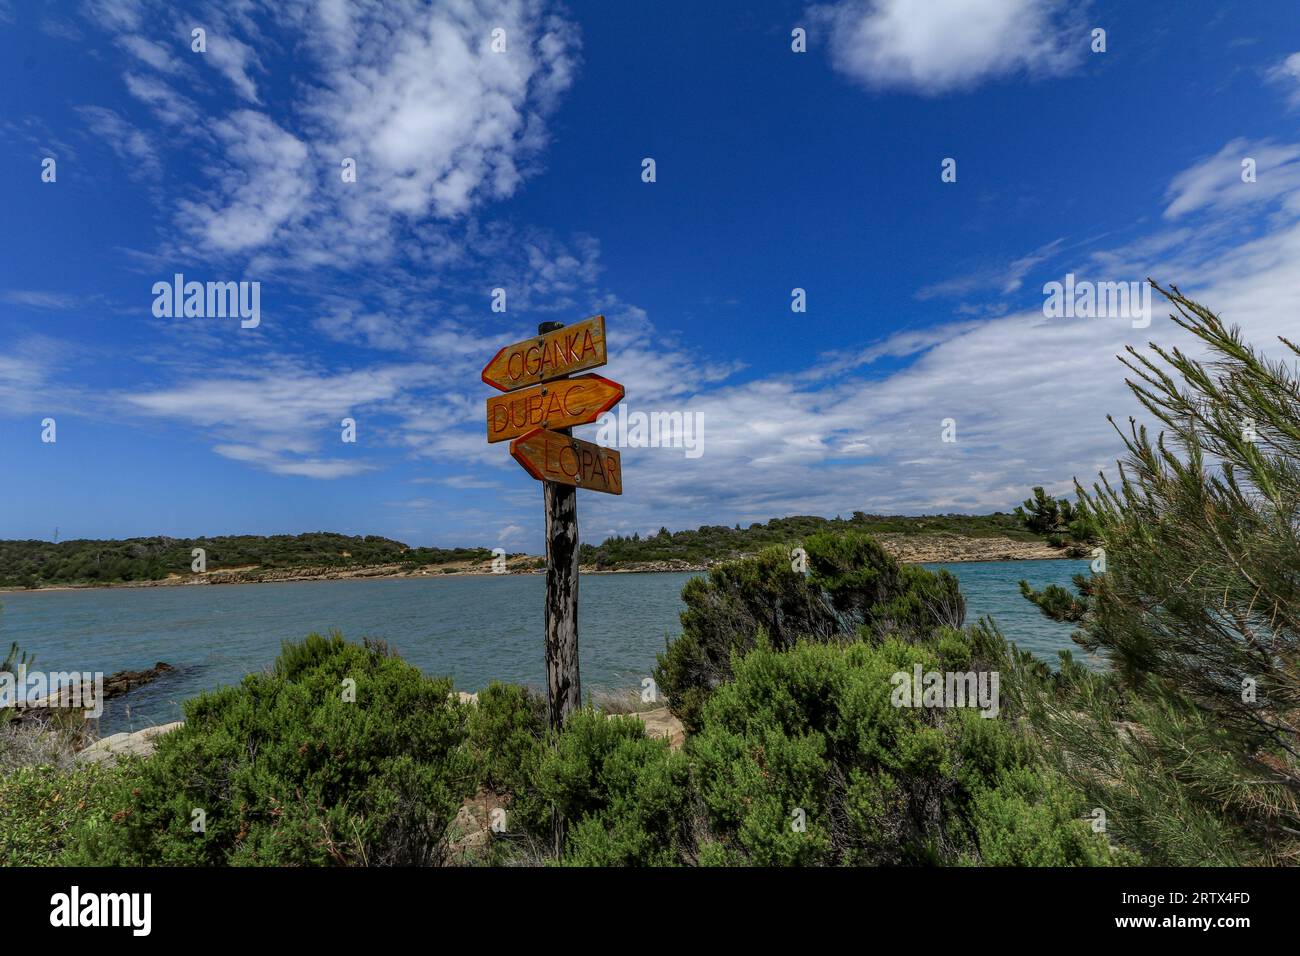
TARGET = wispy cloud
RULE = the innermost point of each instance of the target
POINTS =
(131, 145)
(1004, 279)
(1218, 182)
(168, 105)
(266, 185)
(38, 299)
(279, 416)
(153, 54)
(1287, 75)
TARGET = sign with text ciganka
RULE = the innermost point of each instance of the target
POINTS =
(574, 348)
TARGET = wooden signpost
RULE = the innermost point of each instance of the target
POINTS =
(542, 403)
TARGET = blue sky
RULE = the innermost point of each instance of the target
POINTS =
(522, 170)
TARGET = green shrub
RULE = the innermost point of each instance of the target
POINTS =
(289, 773)
(814, 730)
(626, 797)
(853, 588)
(508, 736)
(39, 806)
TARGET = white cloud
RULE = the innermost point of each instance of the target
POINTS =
(1216, 182)
(154, 54)
(234, 59)
(936, 46)
(122, 15)
(434, 118)
(169, 106)
(278, 416)
(265, 182)
(38, 299)
(276, 464)
(21, 379)
(1287, 75)
(437, 122)
(130, 144)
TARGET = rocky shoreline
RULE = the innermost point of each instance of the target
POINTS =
(909, 548)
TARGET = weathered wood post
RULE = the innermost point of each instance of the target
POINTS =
(563, 682)
(563, 679)
(540, 420)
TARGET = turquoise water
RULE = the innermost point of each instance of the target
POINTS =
(475, 629)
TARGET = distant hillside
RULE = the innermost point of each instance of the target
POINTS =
(33, 564)
(717, 542)
(44, 563)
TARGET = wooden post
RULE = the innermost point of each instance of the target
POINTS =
(538, 419)
(563, 683)
(563, 686)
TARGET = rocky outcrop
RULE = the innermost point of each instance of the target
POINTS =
(72, 697)
(115, 685)
(662, 724)
(944, 547)
(141, 743)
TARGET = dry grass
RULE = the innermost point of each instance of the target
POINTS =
(49, 738)
(624, 702)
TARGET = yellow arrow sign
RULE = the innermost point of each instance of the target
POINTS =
(550, 456)
(562, 403)
(574, 348)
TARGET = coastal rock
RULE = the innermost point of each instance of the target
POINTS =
(944, 547)
(115, 685)
(138, 744)
(662, 724)
(118, 684)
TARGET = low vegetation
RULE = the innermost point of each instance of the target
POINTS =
(34, 564)
(719, 543)
(1065, 524)
(44, 563)
(343, 754)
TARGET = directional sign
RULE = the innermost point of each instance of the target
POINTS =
(562, 403)
(574, 348)
(550, 456)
